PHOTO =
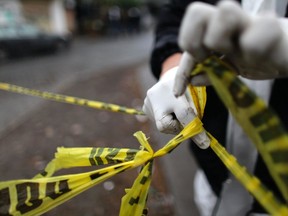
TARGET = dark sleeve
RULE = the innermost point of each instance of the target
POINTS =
(166, 33)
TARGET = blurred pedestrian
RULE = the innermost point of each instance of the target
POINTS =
(134, 19)
(114, 20)
(255, 42)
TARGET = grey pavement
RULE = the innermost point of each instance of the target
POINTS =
(57, 71)
(87, 56)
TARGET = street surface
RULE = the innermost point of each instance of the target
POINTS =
(86, 57)
(109, 70)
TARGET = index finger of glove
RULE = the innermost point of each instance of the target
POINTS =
(182, 77)
(201, 140)
(147, 108)
(183, 111)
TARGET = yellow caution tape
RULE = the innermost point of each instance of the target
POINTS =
(44, 192)
(81, 157)
(69, 99)
(134, 202)
(259, 122)
(38, 195)
(194, 128)
(199, 98)
(250, 182)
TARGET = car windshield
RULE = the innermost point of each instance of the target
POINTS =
(28, 30)
(14, 31)
(8, 32)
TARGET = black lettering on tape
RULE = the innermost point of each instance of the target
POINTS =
(284, 178)
(261, 117)
(280, 156)
(23, 190)
(119, 167)
(150, 167)
(143, 180)
(241, 97)
(95, 156)
(79, 101)
(97, 175)
(145, 212)
(218, 69)
(85, 102)
(51, 189)
(125, 110)
(110, 156)
(130, 155)
(271, 133)
(44, 173)
(98, 158)
(122, 109)
(91, 157)
(4, 202)
(133, 201)
(107, 106)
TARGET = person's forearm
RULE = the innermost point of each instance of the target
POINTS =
(170, 62)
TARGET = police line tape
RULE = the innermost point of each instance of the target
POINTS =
(259, 122)
(44, 192)
(69, 99)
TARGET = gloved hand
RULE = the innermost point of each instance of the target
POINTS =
(255, 45)
(170, 113)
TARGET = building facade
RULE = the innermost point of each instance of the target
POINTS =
(10, 12)
(55, 16)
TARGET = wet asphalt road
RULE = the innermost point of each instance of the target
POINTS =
(86, 57)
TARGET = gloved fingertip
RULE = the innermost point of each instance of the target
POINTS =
(145, 108)
(178, 92)
(202, 140)
(179, 87)
(204, 145)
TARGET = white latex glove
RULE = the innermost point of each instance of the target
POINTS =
(255, 45)
(170, 113)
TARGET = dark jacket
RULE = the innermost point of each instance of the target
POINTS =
(165, 44)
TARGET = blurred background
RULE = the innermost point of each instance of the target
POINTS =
(93, 49)
(53, 24)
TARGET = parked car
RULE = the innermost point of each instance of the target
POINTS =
(26, 39)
